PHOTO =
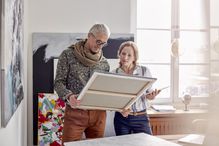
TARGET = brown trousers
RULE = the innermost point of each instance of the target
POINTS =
(77, 122)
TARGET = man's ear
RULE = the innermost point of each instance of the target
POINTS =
(89, 34)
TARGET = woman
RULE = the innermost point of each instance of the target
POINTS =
(134, 120)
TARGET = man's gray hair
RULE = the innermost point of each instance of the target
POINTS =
(100, 28)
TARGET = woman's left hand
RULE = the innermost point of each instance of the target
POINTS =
(152, 95)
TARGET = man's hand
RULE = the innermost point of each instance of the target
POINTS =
(72, 100)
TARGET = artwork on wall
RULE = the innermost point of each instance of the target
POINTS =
(12, 70)
(50, 119)
(46, 48)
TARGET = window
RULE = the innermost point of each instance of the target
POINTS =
(160, 23)
(214, 43)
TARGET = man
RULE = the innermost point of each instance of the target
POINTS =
(75, 66)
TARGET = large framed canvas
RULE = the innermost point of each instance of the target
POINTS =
(111, 91)
(50, 119)
(11, 58)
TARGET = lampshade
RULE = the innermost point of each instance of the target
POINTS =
(175, 48)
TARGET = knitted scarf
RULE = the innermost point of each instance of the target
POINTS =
(84, 55)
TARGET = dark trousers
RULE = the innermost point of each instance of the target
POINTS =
(77, 122)
(131, 124)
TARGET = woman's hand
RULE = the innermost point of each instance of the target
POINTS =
(72, 100)
(125, 112)
(152, 95)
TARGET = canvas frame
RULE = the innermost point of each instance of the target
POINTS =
(111, 91)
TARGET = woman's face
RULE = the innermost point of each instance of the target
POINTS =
(127, 56)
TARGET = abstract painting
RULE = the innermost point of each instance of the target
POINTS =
(50, 119)
(12, 73)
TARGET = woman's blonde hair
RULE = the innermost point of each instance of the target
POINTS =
(134, 47)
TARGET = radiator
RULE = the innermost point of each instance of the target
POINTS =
(163, 126)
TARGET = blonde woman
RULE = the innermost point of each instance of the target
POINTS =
(134, 120)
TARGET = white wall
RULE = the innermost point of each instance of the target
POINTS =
(15, 134)
(78, 15)
(72, 16)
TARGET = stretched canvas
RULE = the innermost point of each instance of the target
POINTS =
(111, 91)
(50, 119)
(12, 70)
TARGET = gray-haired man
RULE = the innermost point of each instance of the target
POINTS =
(75, 66)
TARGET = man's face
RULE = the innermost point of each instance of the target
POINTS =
(97, 42)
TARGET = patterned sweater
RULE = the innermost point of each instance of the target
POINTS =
(72, 75)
